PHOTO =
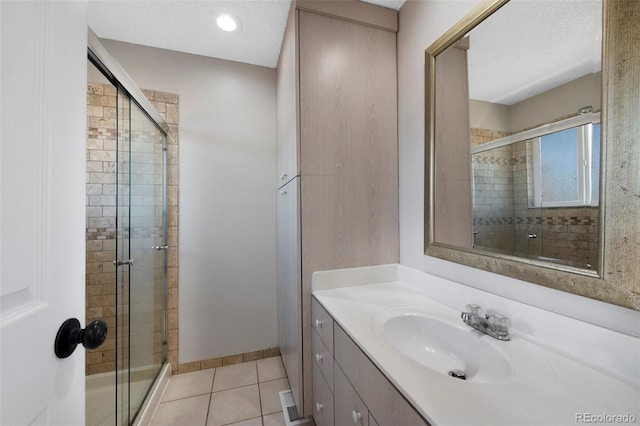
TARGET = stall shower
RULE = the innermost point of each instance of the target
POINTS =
(126, 248)
(508, 219)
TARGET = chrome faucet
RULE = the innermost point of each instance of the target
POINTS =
(495, 325)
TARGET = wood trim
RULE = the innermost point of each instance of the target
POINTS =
(353, 11)
(462, 27)
(621, 131)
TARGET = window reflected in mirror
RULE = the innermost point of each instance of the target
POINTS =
(537, 197)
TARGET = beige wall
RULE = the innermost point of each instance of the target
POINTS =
(227, 297)
(560, 102)
(487, 115)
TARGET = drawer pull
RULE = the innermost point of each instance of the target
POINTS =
(319, 407)
(318, 358)
(356, 416)
(318, 323)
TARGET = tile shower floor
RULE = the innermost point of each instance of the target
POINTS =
(244, 394)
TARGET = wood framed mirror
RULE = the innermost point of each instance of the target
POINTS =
(503, 87)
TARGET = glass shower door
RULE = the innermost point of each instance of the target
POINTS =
(140, 257)
(123, 256)
(147, 241)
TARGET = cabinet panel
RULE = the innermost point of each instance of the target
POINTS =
(372, 421)
(349, 408)
(348, 221)
(289, 289)
(322, 400)
(287, 104)
(350, 130)
(323, 358)
(322, 322)
(384, 401)
(348, 105)
(345, 222)
(453, 211)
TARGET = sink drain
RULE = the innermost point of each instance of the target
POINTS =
(457, 374)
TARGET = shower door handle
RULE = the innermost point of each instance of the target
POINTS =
(164, 247)
(123, 262)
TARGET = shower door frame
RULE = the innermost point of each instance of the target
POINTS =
(113, 71)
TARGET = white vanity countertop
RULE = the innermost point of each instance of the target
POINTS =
(556, 379)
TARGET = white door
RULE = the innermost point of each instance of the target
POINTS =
(43, 55)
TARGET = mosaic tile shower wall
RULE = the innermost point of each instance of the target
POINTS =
(506, 220)
(101, 225)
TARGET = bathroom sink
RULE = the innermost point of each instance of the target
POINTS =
(446, 348)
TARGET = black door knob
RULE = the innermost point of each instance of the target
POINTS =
(70, 334)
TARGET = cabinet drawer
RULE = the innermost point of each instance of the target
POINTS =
(322, 323)
(322, 399)
(385, 403)
(349, 408)
(322, 357)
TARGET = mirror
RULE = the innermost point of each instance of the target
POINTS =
(537, 196)
(516, 127)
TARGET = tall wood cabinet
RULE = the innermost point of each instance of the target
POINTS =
(337, 160)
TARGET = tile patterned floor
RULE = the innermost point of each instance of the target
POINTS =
(241, 395)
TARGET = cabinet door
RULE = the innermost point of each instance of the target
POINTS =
(289, 290)
(323, 358)
(348, 105)
(349, 408)
(372, 421)
(322, 322)
(287, 105)
(282, 272)
(386, 404)
(323, 401)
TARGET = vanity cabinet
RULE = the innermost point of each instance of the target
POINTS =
(323, 366)
(323, 401)
(386, 404)
(349, 408)
(361, 394)
(337, 150)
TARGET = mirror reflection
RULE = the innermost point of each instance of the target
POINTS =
(530, 103)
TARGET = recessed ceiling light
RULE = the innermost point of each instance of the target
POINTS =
(227, 22)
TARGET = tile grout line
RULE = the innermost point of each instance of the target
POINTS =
(206, 420)
(211, 392)
(259, 395)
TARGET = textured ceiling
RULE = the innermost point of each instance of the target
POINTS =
(523, 49)
(189, 26)
(528, 47)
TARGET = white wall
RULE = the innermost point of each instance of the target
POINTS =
(421, 23)
(227, 282)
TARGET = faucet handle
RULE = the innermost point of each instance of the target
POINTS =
(474, 309)
(499, 323)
